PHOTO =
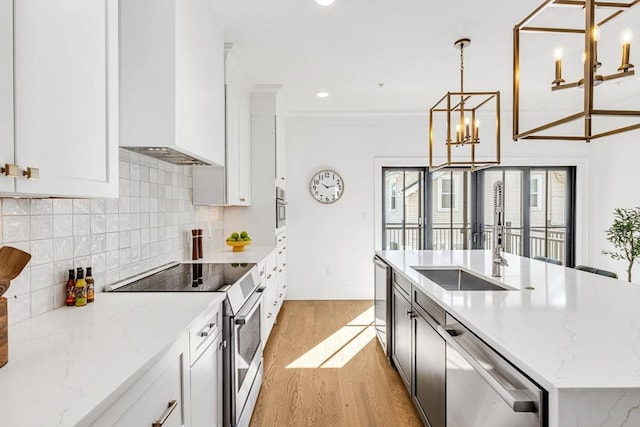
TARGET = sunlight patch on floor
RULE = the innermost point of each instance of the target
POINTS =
(338, 349)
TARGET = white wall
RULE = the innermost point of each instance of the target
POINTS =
(331, 246)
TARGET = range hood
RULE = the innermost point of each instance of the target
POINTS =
(169, 155)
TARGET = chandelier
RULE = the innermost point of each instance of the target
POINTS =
(597, 14)
(457, 138)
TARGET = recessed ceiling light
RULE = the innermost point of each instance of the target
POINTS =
(324, 2)
(322, 94)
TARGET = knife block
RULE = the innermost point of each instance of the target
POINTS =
(4, 332)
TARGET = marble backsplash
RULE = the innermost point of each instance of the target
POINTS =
(147, 226)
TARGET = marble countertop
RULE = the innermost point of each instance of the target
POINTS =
(65, 365)
(574, 330)
(226, 255)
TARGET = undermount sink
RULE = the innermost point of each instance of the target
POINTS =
(455, 279)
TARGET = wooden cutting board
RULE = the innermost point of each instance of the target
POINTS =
(4, 332)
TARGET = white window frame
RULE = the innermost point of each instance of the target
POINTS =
(538, 194)
(455, 192)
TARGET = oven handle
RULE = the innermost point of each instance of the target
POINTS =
(516, 399)
(248, 308)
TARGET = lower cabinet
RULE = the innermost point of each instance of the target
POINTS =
(429, 372)
(401, 342)
(206, 386)
(156, 397)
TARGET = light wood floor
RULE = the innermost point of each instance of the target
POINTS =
(365, 391)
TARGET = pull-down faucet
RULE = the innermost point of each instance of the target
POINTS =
(498, 228)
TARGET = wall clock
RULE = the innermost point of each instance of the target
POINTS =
(326, 186)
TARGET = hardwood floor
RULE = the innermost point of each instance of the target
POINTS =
(325, 367)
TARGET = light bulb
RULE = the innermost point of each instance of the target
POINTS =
(322, 94)
(324, 2)
(626, 36)
(558, 53)
(477, 124)
(584, 57)
(596, 33)
(466, 120)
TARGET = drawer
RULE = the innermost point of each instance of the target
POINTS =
(203, 332)
(402, 284)
(429, 307)
(262, 266)
(281, 238)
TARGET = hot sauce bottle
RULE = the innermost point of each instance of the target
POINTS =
(71, 289)
(90, 286)
(81, 289)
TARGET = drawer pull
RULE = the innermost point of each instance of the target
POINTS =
(280, 271)
(207, 331)
(280, 296)
(167, 412)
(242, 199)
(275, 303)
(284, 264)
(279, 252)
(275, 268)
(268, 276)
(269, 316)
(10, 170)
(32, 173)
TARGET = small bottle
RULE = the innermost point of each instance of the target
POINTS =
(81, 288)
(90, 286)
(71, 289)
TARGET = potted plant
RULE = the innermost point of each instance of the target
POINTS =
(624, 234)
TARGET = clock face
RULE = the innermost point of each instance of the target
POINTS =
(326, 186)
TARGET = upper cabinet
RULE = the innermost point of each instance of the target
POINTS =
(231, 185)
(172, 81)
(59, 97)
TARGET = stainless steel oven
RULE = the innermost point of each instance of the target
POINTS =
(281, 207)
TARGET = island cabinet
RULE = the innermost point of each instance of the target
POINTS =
(401, 314)
(59, 98)
(417, 350)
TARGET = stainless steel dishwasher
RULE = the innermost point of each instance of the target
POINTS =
(382, 310)
(483, 389)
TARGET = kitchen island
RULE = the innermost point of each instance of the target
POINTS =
(576, 334)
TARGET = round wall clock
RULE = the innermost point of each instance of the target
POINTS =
(326, 186)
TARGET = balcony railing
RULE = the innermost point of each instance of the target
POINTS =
(553, 246)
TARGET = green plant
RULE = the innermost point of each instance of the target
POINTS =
(624, 234)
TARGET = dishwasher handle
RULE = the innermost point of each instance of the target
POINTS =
(518, 400)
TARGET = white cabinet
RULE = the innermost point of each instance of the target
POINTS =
(206, 371)
(269, 297)
(59, 60)
(159, 394)
(281, 146)
(231, 185)
(172, 79)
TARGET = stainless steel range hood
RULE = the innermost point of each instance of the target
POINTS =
(169, 155)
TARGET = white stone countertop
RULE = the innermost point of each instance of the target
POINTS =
(226, 255)
(576, 331)
(66, 365)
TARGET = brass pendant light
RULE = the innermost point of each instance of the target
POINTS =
(459, 113)
(558, 10)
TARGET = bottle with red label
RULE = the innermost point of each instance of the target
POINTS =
(70, 300)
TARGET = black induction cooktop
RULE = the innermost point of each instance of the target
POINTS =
(200, 277)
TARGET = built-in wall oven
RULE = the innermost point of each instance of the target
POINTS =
(281, 207)
(242, 355)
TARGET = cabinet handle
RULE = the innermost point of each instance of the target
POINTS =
(269, 316)
(279, 252)
(242, 199)
(167, 412)
(262, 273)
(32, 173)
(10, 170)
(280, 271)
(268, 276)
(280, 296)
(275, 268)
(284, 264)
(275, 303)
(284, 248)
(206, 332)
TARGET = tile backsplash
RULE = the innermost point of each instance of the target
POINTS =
(147, 226)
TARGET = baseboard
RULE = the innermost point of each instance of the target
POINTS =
(322, 292)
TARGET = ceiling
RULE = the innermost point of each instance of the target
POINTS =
(392, 55)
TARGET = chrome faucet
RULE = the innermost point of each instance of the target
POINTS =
(498, 229)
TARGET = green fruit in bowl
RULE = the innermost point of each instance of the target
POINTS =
(244, 234)
(235, 236)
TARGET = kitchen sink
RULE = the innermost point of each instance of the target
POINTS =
(455, 279)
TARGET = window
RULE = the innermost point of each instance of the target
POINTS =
(535, 193)
(392, 203)
(448, 193)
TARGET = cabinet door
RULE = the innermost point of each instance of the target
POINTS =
(244, 151)
(429, 373)
(6, 92)
(281, 174)
(232, 165)
(206, 387)
(401, 345)
(66, 104)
